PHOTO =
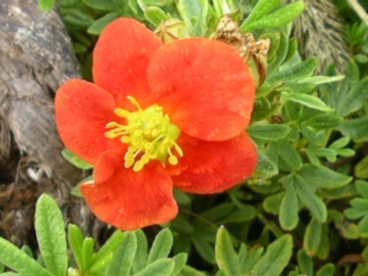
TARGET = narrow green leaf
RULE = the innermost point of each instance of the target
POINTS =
(193, 13)
(268, 131)
(181, 197)
(75, 239)
(362, 188)
(161, 246)
(277, 18)
(111, 5)
(16, 259)
(101, 264)
(312, 237)
(280, 57)
(155, 15)
(110, 246)
(326, 270)
(289, 154)
(359, 203)
(305, 263)
(355, 99)
(124, 256)
(140, 259)
(323, 177)
(361, 169)
(97, 26)
(276, 257)
(87, 252)
(308, 100)
(226, 257)
(355, 128)
(254, 254)
(204, 248)
(51, 237)
(262, 8)
(289, 205)
(321, 79)
(310, 199)
(323, 121)
(353, 213)
(190, 271)
(46, 5)
(340, 143)
(72, 158)
(294, 72)
(162, 267)
(265, 167)
(180, 261)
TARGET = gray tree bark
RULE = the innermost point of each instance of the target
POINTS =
(36, 57)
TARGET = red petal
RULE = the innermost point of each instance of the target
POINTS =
(212, 167)
(82, 111)
(205, 87)
(121, 58)
(130, 200)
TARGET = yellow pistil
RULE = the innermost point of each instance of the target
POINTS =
(149, 134)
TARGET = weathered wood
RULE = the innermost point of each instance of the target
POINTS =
(36, 57)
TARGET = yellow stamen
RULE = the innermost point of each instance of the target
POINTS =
(149, 134)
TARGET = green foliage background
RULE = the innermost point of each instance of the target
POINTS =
(304, 211)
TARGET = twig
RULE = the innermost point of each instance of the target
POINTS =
(359, 10)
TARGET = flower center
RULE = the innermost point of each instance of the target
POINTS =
(149, 134)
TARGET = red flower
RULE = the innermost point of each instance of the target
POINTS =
(157, 116)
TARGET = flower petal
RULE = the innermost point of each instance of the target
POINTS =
(130, 200)
(204, 86)
(212, 167)
(120, 61)
(82, 111)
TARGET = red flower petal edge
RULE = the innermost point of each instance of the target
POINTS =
(213, 167)
(204, 86)
(130, 200)
(82, 110)
(120, 60)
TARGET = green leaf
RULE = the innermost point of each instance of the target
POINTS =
(155, 15)
(204, 248)
(310, 199)
(355, 128)
(108, 249)
(289, 154)
(265, 167)
(305, 263)
(355, 98)
(277, 18)
(280, 57)
(9, 274)
(111, 5)
(353, 213)
(326, 270)
(321, 79)
(124, 256)
(189, 271)
(75, 239)
(50, 232)
(362, 188)
(97, 27)
(180, 261)
(289, 205)
(161, 246)
(46, 5)
(79, 163)
(361, 169)
(226, 258)
(323, 121)
(18, 260)
(308, 100)
(268, 131)
(181, 198)
(262, 8)
(312, 237)
(323, 177)
(162, 267)
(193, 13)
(78, 18)
(87, 252)
(249, 261)
(140, 260)
(276, 257)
